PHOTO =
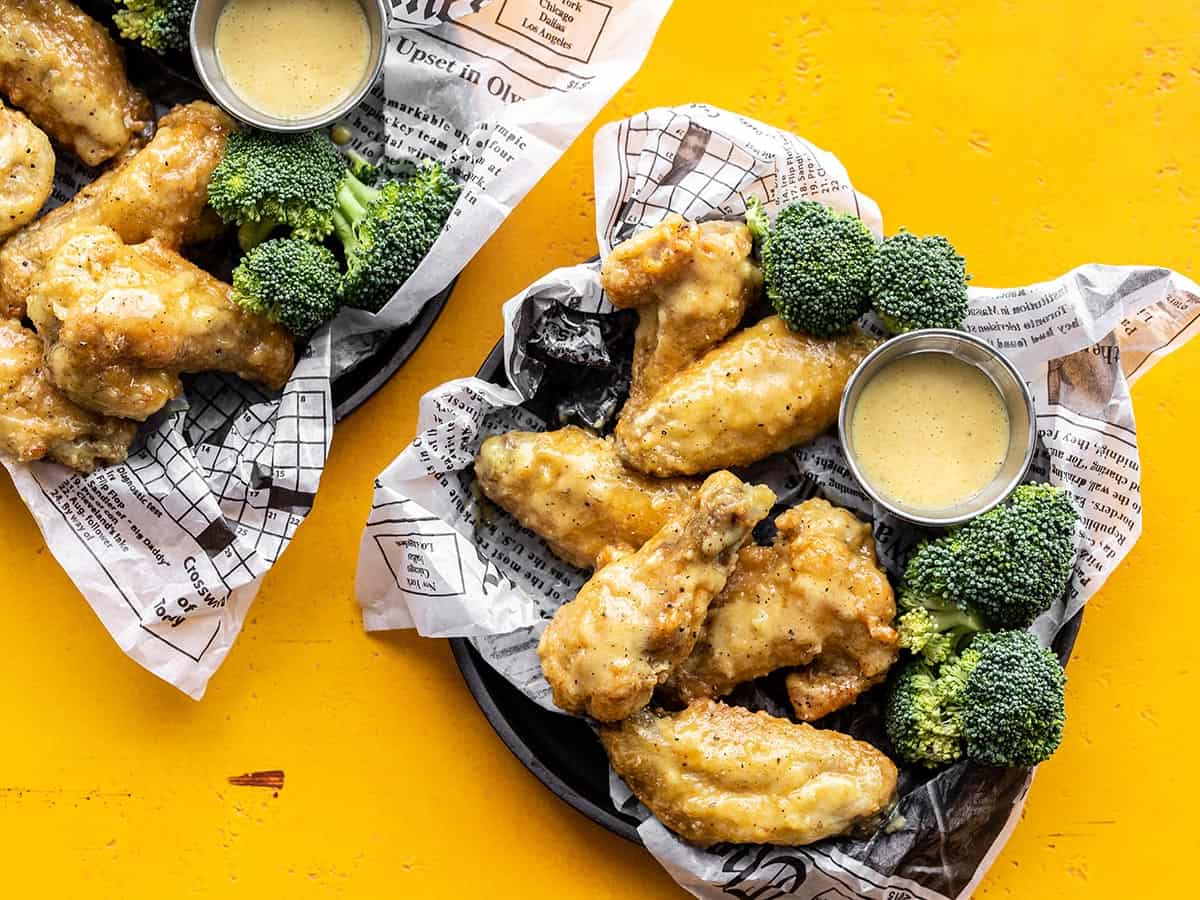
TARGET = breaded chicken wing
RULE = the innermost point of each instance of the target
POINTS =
(64, 69)
(815, 598)
(26, 170)
(569, 487)
(715, 773)
(120, 323)
(606, 651)
(691, 284)
(160, 192)
(38, 422)
(763, 390)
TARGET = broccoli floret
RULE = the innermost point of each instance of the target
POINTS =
(158, 25)
(265, 180)
(923, 718)
(289, 281)
(919, 283)
(387, 231)
(998, 703)
(936, 633)
(1001, 570)
(817, 267)
(1013, 701)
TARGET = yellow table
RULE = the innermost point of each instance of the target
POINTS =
(1036, 140)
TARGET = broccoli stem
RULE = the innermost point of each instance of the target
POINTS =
(353, 198)
(252, 233)
(955, 622)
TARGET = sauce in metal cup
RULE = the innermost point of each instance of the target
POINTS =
(995, 407)
(241, 46)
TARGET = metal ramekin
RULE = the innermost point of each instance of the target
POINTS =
(1018, 401)
(204, 55)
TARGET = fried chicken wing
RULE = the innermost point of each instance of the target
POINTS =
(120, 323)
(569, 487)
(815, 598)
(38, 422)
(64, 69)
(761, 391)
(26, 170)
(691, 284)
(715, 773)
(606, 651)
(160, 192)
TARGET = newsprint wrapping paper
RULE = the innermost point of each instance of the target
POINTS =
(435, 558)
(170, 547)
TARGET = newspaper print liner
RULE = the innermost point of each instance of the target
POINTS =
(170, 547)
(433, 557)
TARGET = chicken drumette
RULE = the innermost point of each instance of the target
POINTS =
(606, 651)
(122, 322)
(816, 598)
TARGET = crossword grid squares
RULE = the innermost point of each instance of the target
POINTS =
(688, 170)
(241, 489)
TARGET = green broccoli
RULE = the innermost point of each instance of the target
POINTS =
(265, 180)
(919, 283)
(1001, 570)
(158, 25)
(999, 703)
(816, 266)
(387, 231)
(756, 220)
(923, 717)
(289, 281)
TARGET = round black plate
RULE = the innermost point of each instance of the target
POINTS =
(351, 389)
(171, 79)
(561, 751)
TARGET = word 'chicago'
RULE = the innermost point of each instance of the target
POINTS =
(552, 21)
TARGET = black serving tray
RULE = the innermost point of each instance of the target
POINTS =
(560, 750)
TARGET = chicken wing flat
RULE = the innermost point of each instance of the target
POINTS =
(763, 390)
(121, 322)
(606, 651)
(815, 598)
(64, 69)
(26, 170)
(715, 773)
(691, 284)
(38, 422)
(160, 192)
(569, 487)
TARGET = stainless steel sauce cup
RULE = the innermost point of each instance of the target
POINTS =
(204, 55)
(1018, 402)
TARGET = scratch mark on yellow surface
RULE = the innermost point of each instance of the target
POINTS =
(978, 142)
(269, 778)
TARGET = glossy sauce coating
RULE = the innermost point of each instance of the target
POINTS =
(715, 773)
(930, 430)
(606, 651)
(763, 390)
(293, 58)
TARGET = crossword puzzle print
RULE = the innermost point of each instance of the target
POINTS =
(209, 498)
(703, 163)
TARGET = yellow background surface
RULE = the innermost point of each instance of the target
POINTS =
(1037, 139)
